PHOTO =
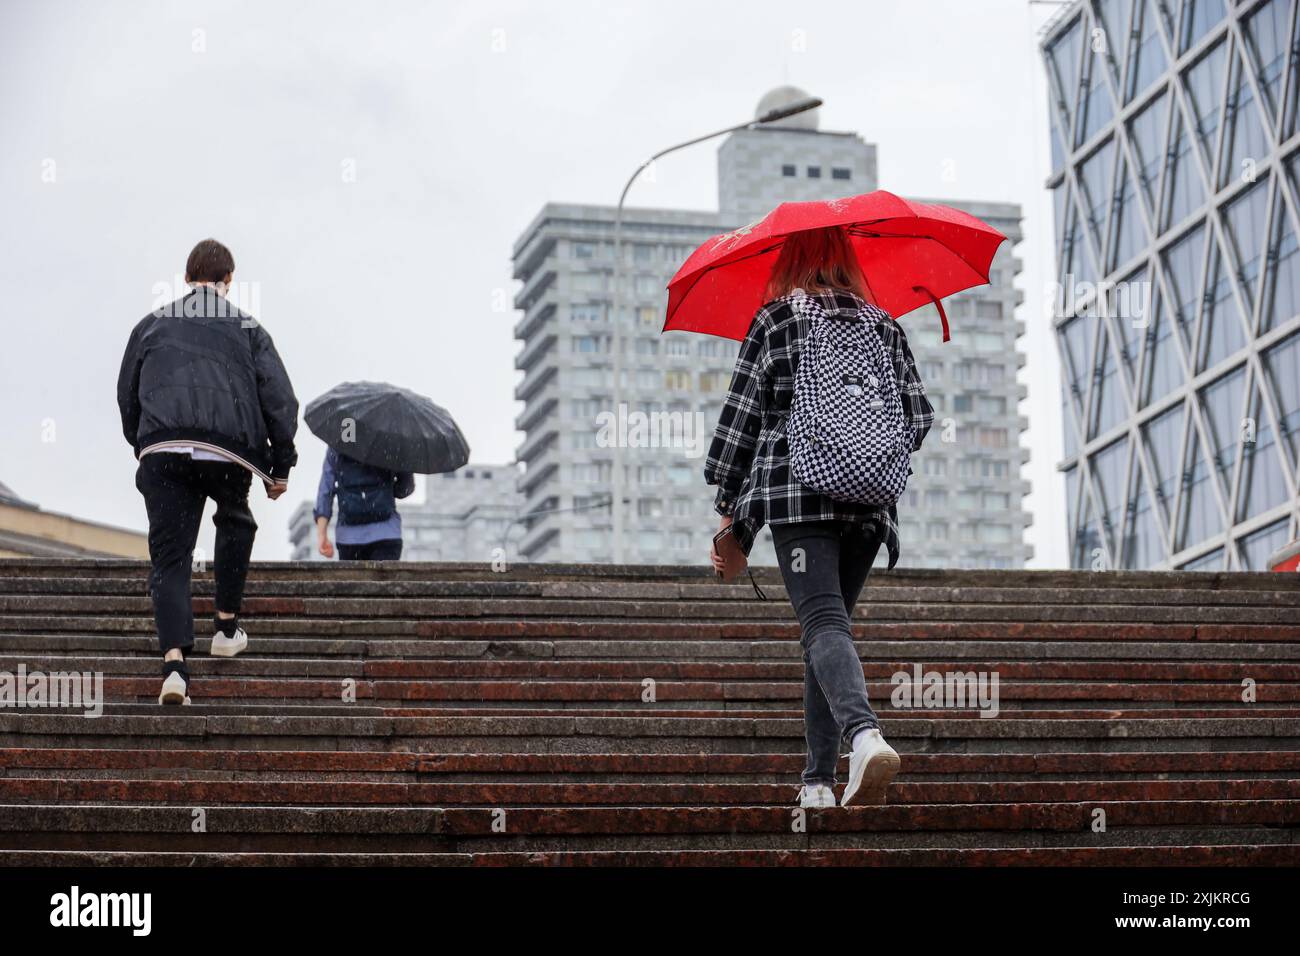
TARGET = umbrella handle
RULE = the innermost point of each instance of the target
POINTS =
(943, 316)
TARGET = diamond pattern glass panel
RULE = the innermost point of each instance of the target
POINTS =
(1129, 307)
(1064, 59)
(1128, 234)
(1094, 180)
(1143, 546)
(1199, 17)
(1147, 135)
(1087, 539)
(1263, 484)
(1108, 470)
(1162, 371)
(1221, 328)
(1199, 515)
(1183, 272)
(1098, 108)
(1283, 365)
(1108, 403)
(1246, 142)
(1164, 436)
(1184, 190)
(1078, 358)
(1281, 288)
(1223, 402)
(1210, 562)
(1205, 88)
(1244, 218)
(1266, 38)
(1257, 547)
(1147, 56)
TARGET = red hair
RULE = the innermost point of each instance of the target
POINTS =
(817, 260)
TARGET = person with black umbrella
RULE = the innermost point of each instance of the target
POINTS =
(369, 526)
(379, 437)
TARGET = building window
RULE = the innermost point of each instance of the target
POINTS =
(814, 172)
(839, 172)
(993, 406)
(789, 170)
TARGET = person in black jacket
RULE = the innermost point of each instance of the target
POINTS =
(206, 404)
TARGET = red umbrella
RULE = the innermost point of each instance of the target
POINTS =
(911, 253)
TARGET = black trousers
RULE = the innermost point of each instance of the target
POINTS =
(389, 549)
(175, 489)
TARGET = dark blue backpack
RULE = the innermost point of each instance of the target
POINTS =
(365, 492)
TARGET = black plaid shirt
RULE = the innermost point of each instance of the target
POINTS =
(749, 459)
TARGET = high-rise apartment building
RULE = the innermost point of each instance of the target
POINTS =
(964, 505)
(1176, 161)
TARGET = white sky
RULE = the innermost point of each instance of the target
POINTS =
(462, 119)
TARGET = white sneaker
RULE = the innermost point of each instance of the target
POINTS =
(174, 690)
(872, 766)
(818, 795)
(223, 646)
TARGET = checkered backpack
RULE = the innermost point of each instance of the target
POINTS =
(847, 434)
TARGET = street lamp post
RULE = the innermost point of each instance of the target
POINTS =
(614, 302)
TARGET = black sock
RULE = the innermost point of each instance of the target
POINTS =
(176, 667)
(227, 625)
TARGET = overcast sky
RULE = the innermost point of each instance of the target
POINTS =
(130, 129)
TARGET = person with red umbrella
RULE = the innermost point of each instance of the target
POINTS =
(822, 415)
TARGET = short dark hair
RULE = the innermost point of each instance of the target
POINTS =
(209, 261)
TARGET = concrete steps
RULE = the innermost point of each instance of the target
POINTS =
(568, 715)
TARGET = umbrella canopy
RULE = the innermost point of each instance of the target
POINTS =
(388, 427)
(911, 253)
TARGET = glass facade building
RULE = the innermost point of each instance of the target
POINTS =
(1175, 173)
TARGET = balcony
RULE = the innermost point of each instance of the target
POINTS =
(533, 255)
(540, 405)
(534, 351)
(538, 441)
(533, 381)
(536, 475)
(539, 282)
(528, 326)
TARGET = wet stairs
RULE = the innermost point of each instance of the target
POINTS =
(451, 715)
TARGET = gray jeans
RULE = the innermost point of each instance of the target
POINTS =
(825, 564)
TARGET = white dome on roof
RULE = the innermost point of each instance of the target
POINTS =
(787, 96)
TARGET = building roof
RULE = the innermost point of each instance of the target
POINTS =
(9, 497)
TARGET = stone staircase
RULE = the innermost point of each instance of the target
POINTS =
(444, 714)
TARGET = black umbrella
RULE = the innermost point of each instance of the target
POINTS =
(388, 427)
